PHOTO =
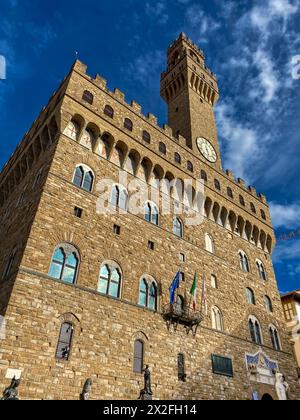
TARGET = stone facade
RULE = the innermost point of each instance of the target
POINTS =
(37, 198)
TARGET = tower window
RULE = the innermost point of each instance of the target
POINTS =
(151, 245)
(217, 185)
(138, 356)
(190, 167)
(128, 124)
(64, 264)
(214, 282)
(253, 209)
(255, 331)
(181, 367)
(146, 137)
(229, 192)
(177, 158)
(83, 178)
(110, 281)
(268, 304)
(275, 338)
(88, 97)
(108, 111)
(263, 215)
(250, 296)
(117, 230)
(242, 201)
(204, 176)
(162, 148)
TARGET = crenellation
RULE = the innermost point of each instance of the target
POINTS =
(80, 67)
(152, 118)
(136, 107)
(119, 95)
(100, 82)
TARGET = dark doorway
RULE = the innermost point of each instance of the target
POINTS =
(267, 397)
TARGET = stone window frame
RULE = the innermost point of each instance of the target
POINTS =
(115, 202)
(272, 331)
(243, 258)
(68, 249)
(86, 169)
(212, 248)
(216, 312)
(255, 321)
(112, 265)
(149, 281)
(66, 318)
(150, 205)
(175, 227)
(88, 97)
(250, 296)
(262, 272)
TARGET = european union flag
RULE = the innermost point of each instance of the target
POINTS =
(174, 286)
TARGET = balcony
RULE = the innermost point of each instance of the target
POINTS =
(175, 315)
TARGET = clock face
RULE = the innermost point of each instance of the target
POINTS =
(207, 150)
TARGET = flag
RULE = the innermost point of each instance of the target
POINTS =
(204, 307)
(174, 286)
(193, 292)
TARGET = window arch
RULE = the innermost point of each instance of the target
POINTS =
(255, 330)
(204, 176)
(178, 227)
(146, 137)
(148, 293)
(209, 244)
(250, 296)
(109, 111)
(263, 215)
(84, 177)
(119, 197)
(177, 158)
(229, 192)
(190, 167)
(128, 124)
(268, 303)
(242, 201)
(162, 148)
(64, 343)
(110, 280)
(217, 319)
(65, 263)
(261, 270)
(138, 356)
(244, 262)
(151, 213)
(88, 97)
(274, 335)
(217, 184)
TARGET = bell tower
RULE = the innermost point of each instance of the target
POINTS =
(190, 89)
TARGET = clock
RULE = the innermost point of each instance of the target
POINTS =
(207, 150)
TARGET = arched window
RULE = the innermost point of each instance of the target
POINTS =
(148, 294)
(110, 280)
(242, 201)
(84, 178)
(261, 270)
(217, 185)
(253, 209)
(268, 304)
(108, 111)
(209, 244)
(217, 319)
(274, 338)
(128, 124)
(146, 137)
(250, 296)
(244, 262)
(151, 213)
(64, 341)
(178, 227)
(138, 356)
(181, 367)
(204, 176)
(179, 305)
(229, 192)
(177, 158)
(190, 167)
(64, 264)
(119, 197)
(9, 264)
(162, 148)
(88, 97)
(263, 215)
(255, 330)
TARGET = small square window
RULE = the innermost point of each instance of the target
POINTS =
(78, 212)
(151, 245)
(214, 282)
(182, 257)
(182, 276)
(222, 366)
(117, 230)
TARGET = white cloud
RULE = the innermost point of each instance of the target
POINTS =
(268, 77)
(287, 216)
(287, 251)
(158, 11)
(200, 24)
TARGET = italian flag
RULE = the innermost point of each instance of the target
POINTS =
(193, 292)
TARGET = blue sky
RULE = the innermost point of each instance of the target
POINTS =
(249, 45)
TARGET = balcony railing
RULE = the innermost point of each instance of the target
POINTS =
(190, 319)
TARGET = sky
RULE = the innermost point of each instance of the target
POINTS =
(250, 45)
